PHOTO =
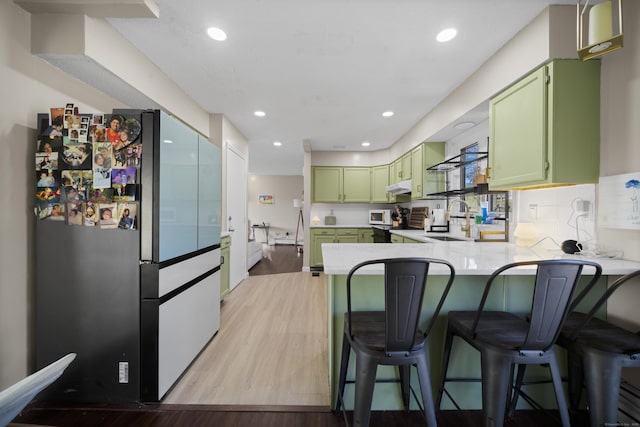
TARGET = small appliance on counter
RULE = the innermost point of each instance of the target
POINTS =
(436, 222)
(380, 217)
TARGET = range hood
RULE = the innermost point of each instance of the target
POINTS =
(401, 187)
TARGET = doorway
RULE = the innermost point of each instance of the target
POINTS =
(237, 215)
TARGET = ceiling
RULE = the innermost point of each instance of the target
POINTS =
(324, 71)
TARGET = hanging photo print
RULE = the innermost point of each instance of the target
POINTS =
(90, 214)
(127, 216)
(101, 165)
(107, 215)
(77, 155)
(74, 213)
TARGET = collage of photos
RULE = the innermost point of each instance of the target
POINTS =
(88, 168)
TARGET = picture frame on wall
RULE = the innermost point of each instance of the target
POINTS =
(265, 199)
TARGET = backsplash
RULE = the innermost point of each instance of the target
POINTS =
(561, 213)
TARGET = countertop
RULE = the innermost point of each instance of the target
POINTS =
(468, 258)
(341, 226)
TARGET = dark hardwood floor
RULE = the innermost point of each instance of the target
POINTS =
(278, 259)
(65, 415)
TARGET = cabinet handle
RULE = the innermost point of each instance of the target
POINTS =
(486, 172)
(221, 259)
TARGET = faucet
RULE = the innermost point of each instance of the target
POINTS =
(467, 227)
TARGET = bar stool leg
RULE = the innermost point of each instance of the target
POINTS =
(425, 389)
(365, 380)
(602, 374)
(496, 382)
(344, 365)
(445, 365)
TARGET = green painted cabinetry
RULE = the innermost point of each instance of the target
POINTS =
(341, 184)
(356, 184)
(225, 264)
(396, 239)
(335, 235)
(379, 183)
(423, 156)
(326, 184)
(365, 235)
(545, 128)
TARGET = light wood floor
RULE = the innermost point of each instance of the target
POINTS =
(271, 348)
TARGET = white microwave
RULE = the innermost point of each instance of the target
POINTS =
(380, 217)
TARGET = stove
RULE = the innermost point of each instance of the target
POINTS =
(382, 233)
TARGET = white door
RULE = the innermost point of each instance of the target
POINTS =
(237, 215)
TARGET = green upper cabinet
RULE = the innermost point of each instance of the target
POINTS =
(545, 128)
(341, 185)
(379, 183)
(423, 156)
(327, 184)
(405, 166)
(356, 185)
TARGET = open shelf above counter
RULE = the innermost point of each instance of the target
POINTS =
(458, 162)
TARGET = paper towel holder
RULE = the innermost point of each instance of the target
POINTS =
(599, 25)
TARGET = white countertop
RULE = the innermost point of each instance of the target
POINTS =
(341, 226)
(468, 258)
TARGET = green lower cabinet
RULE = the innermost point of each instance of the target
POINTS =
(346, 235)
(225, 264)
(365, 235)
(335, 235)
(318, 237)
(397, 239)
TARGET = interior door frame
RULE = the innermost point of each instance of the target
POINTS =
(236, 195)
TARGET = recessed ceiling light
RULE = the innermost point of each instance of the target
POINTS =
(446, 34)
(216, 34)
(366, 144)
(277, 143)
(463, 125)
(259, 113)
(387, 114)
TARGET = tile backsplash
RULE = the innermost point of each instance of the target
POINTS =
(561, 213)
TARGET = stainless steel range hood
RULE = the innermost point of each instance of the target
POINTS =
(402, 187)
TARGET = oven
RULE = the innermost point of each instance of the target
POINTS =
(381, 235)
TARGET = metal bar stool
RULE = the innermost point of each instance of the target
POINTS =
(505, 339)
(391, 337)
(597, 351)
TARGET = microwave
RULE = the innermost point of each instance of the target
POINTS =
(380, 217)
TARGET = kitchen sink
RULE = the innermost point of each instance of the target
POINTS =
(446, 238)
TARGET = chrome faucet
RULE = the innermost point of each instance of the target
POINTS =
(467, 227)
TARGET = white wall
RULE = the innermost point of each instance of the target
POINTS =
(29, 86)
(281, 216)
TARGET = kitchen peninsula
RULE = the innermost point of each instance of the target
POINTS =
(473, 263)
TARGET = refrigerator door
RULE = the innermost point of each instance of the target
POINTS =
(87, 302)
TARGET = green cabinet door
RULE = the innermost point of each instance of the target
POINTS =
(396, 239)
(326, 184)
(405, 166)
(518, 136)
(417, 172)
(318, 237)
(225, 263)
(379, 183)
(347, 235)
(545, 128)
(365, 235)
(422, 182)
(356, 184)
